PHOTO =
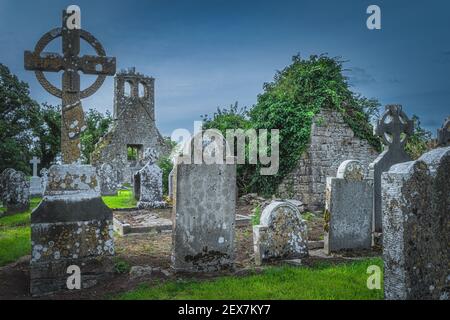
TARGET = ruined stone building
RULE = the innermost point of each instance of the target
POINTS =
(133, 129)
(332, 141)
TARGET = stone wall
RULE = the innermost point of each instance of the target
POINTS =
(332, 141)
(134, 125)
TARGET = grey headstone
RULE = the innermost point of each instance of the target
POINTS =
(416, 228)
(443, 135)
(108, 180)
(170, 183)
(281, 234)
(15, 191)
(44, 179)
(394, 128)
(148, 184)
(348, 209)
(204, 217)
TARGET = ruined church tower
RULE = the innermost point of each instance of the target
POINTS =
(134, 128)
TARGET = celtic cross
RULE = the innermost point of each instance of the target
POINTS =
(70, 63)
(34, 162)
(394, 127)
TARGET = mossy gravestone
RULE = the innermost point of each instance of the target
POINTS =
(72, 228)
(416, 228)
(281, 234)
(15, 191)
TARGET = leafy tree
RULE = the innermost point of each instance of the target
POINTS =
(17, 111)
(46, 129)
(97, 125)
(420, 141)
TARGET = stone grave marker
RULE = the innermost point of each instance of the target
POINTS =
(443, 135)
(148, 183)
(108, 180)
(416, 228)
(71, 226)
(348, 209)
(15, 191)
(35, 181)
(281, 234)
(394, 128)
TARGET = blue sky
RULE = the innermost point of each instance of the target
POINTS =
(206, 54)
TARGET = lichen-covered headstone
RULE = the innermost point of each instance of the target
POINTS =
(416, 228)
(348, 209)
(148, 183)
(108, 180)
(443, 135)
(204, 215)
(281, 234)
(393, 128)
(15, 191)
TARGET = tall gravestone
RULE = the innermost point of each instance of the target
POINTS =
(170, 183)
(393, 128)
(108, 180)
(281, 234)
(15, 191)
(204, 216)
(348, 209)
(416, 228)
(44, 179)
(35, 181)
(149, 178)
(71, 226)
(443, 134)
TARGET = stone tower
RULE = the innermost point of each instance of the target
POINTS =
(134, 128)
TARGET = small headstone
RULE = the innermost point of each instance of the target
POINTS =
(348, 209)
(35, 181)
(204, 216)
(170, 183)
(44, 179)
(443, 135)
(15, 193)
(108, 180)
(281, 234)
(416, 228)
(393, 128)
(148, 183)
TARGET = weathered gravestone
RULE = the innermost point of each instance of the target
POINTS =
(443, 134)
(394, 128)
(148, 183)
(416, 228)
(204, 215)
(108, 180)
(170, 183)
(281, 234)
(71, 226)
(15, 191)
(35, 181)
(44, 179)
(348, 209)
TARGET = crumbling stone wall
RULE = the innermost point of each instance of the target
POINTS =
(331, 142)
(134, 125)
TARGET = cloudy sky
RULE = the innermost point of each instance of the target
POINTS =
(206, 54)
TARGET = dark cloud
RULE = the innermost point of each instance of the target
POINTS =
(359, 76)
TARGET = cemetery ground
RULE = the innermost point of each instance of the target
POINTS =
(340, 276)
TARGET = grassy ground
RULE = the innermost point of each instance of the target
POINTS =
(15, 230)
(123, 200)
(326, 282)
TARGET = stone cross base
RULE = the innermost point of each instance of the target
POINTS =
(35, 186)
(71, 227)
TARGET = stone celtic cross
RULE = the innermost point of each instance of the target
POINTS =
(394, 127)
(35, 161)
(70, 63)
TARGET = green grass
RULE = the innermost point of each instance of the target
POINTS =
(123, 200)
(325, 282)
(15, 239)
